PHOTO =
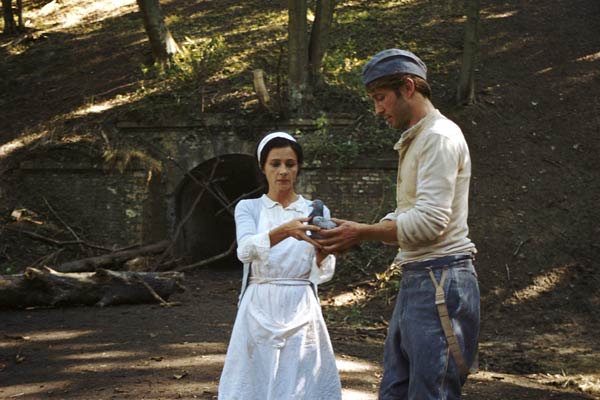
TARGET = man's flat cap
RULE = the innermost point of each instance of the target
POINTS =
(393, 61)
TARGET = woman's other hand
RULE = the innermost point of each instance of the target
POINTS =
(296, 229)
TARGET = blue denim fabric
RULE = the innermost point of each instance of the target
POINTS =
(417, 362)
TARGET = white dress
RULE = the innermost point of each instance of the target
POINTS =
(279, 347)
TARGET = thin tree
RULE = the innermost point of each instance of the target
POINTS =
(9, 20)
(162, 42)
(319, 39)
(465, 92)
(20, 14)
(297, 55)
(306, 55)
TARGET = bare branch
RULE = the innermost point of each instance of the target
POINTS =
(208, 260)
(190, 212)
(234, 202)
(57, 242)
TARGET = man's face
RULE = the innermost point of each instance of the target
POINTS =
(392, 107)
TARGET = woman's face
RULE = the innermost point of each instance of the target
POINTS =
(281, 169)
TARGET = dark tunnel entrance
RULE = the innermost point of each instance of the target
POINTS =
(209, 230)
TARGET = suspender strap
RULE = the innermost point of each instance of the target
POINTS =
(440, 302)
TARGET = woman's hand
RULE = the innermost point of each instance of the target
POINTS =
(296, 229)
(320, 256)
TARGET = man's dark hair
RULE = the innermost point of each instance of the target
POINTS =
(396, 81)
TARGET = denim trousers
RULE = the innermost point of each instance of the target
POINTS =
(417, 362)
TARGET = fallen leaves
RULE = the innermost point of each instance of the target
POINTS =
(180, 376)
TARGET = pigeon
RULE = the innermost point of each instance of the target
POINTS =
(317, 218)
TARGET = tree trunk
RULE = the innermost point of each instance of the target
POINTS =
(298, 55)
(47, 287)
(454, 7)
(9, 20)
(319, 39)
(20, 15)
(465, 93)
(258, 79)
(111, 259)
(162, 43)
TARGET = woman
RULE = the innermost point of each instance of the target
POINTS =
(279, 348)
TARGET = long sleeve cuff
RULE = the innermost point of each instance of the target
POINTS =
(393, 216)
(254, 248)
(325, 272)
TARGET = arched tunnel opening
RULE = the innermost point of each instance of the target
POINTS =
(205, 206)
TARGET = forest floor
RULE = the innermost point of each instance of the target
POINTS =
(534, 138)
(153, 352)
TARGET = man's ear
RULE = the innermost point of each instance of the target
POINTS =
(409, 87)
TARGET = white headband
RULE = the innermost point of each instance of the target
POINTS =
(268, 138)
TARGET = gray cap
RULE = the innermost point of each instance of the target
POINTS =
(393, 61)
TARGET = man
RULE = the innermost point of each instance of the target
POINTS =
(432, 337)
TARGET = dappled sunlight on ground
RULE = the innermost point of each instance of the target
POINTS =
(350, 394)
(544, 282)
(20, 143)
(360, 377)
(100, 355)
(346, 365)
(59, 335)
(500, 15)
(35, 390)
(78, 12)
(586, 383)
(590, 57)
(97, 108)
(348, 298)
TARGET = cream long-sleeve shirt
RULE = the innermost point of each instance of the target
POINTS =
(432, 193)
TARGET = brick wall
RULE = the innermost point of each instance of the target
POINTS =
(107, 206)
(110, 207)
(101, 205)
(360, 194)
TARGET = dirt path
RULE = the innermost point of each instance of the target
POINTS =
(151, 352)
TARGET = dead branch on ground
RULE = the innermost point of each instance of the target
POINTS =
(111, 259)
(47, 287)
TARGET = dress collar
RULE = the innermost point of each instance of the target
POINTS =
(416, 128)
(296, 205)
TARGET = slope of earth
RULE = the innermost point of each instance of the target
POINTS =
(534, 138)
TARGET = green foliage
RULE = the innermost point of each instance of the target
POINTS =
(121, 158)
(369, 258)
(198, 61)
(373, 277)
(195, 63)
(341, 147)
(325, 146)
(343, 67)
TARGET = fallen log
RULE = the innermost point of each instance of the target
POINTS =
(111, 259)
(47, 287)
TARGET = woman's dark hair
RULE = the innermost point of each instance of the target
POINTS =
(277, 143)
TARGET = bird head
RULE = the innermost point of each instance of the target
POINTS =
(317, 208)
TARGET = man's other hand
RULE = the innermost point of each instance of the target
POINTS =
(341, 239)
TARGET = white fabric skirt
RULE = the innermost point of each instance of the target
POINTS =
(279, 348)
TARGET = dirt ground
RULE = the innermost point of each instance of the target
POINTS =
(152, 352)
(534, 138)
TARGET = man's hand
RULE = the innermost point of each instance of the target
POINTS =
(341, 239)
